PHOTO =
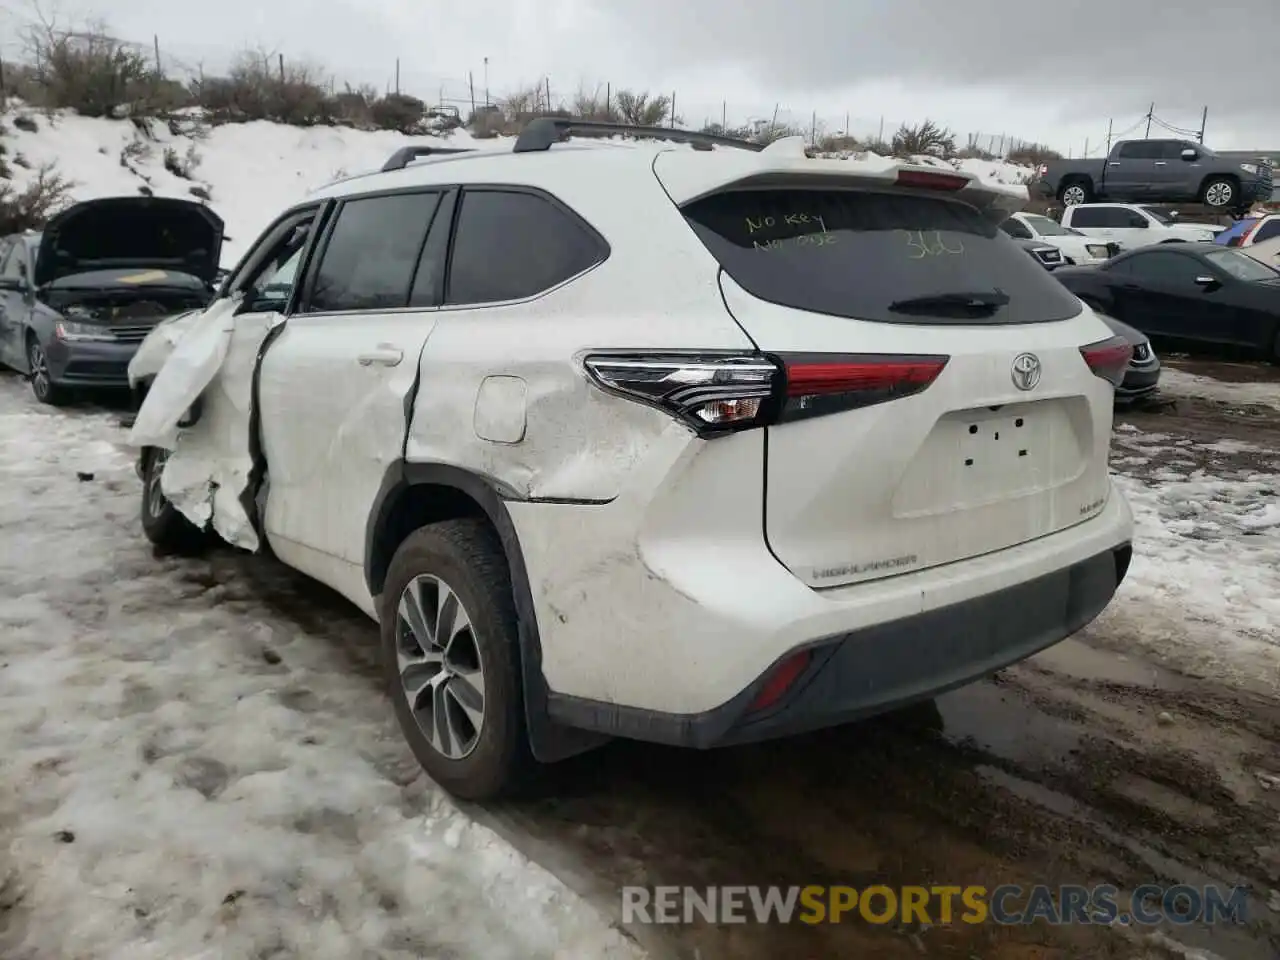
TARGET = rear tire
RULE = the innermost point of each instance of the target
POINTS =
(452, 661)
(163, 525)
(1220, 193)
(1074, 192)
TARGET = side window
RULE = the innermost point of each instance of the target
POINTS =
(1169, 269)
(1267, 231)
(1172, 150)
(372, 254)
(9, 260)
(1142, 150)
(270, 287)
(1091, 217)
(509, 245)
(1131, 218)
(1017, 229)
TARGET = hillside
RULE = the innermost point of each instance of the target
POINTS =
(248, 172)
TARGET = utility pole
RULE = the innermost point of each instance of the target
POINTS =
(486, 81)
(673, 110)
(1108, 136)
(1150, 113)
(397, 76)
(1204, 119)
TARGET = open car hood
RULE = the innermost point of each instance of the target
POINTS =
(157, 233)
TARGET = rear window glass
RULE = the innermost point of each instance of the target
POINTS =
(860, 254)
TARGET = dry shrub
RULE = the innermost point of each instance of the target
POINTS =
(927, 139)
(28, 209)
(1032, 154)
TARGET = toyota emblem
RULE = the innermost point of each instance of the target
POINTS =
(1026, 371)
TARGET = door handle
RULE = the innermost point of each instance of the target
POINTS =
(1159, 163)
(1130, 286)
(385, 355)
(1114, 163)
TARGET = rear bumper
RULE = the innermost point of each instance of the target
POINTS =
(89, 363)
(1139, 383)
(670, 634)
(891, 665)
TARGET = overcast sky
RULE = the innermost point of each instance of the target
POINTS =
(1054, 72)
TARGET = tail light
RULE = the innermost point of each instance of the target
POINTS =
(1044, 170)
(716, 393)
(1244, 237)
(820, 384)
(928, 180)
(1109, 359)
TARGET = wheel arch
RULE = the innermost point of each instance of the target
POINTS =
(1210, 178)
(413, 495)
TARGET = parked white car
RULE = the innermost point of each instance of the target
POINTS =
(1265, 251)
(1075, 247)
(691, 446)
(1132, 225)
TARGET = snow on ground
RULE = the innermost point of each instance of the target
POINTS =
(1203, 591)
(187, 772)
(253, 171)
(1179, 383)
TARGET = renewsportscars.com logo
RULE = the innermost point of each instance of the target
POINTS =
(1146, 905)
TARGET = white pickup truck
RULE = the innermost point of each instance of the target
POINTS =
(1133, 225)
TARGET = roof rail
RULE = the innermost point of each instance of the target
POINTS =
(541, 132)
(406, 155)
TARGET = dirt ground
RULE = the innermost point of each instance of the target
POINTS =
(1087, 764)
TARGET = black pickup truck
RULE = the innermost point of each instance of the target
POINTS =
(1157, 171)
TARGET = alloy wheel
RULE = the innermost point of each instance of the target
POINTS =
(1073, 195)
(1218, 195)
(438, 661)
(155, 494)
(39, 370)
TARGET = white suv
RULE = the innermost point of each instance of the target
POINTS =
(697, 446)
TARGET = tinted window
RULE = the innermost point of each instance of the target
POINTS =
(1092, 217)
(857, 254)
(1165, 268)
(1240, 266)
(372, 253)
(428, 280)
(1017, 229)
(508, 246)
(1142, 150)
(1172, 150)
(1268, 230)
(9, 259)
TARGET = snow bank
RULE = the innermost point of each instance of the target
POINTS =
(1203, 591)
(251, 171)
(1179, 383)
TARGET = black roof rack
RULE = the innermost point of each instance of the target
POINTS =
(406, 155)
(541, 132)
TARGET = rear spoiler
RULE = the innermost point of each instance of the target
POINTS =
(785, 164)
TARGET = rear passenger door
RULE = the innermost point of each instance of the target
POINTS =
(336, 381)
(1131, 171)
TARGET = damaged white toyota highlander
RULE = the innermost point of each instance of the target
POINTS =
(696, 446)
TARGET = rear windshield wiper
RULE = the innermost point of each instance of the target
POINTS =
(984, 301)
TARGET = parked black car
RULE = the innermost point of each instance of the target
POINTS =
(1142, 377)
(1194, 292)
(77, 298)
